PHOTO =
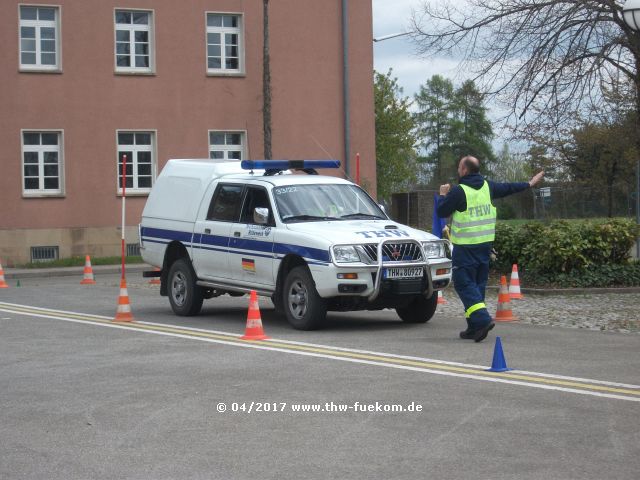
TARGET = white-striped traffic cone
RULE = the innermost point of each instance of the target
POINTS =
(441, 300)
(3, 284)
(514, 284)
(504, 312)
(88, 272)
(254, 330)
(123, 314)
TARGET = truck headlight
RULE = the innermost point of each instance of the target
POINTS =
(345, 254)
(434, 249)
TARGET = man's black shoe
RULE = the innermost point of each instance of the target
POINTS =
(482, 333)
(468, 334)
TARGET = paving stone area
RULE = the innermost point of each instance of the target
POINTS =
(605, 311)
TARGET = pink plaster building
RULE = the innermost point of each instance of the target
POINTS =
(83, 82)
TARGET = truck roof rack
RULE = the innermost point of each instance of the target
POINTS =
(274, 167)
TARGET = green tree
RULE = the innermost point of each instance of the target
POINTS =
(601, 156)
(395, 137)
(472, 131)
(452, 123)
(435, 102)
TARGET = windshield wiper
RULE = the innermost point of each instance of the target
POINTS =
(307, 217)
(363, 215)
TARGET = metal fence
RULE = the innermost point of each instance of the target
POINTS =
(560, 200)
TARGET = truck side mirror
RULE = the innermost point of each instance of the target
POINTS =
(261, 216)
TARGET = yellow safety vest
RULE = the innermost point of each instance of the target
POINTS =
(477, 224)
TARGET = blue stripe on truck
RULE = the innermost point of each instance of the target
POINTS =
(207, 242)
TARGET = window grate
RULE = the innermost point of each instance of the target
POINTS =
(44, 254)
(133, 250)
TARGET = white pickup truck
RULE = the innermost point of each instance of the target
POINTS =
(311, 243)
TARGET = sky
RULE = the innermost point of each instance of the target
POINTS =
(393, 16)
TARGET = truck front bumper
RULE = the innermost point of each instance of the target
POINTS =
(367, 280)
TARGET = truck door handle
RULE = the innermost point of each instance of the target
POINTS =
(207, 230)
(236, 234)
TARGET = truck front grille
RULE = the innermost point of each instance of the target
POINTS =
(395, 252)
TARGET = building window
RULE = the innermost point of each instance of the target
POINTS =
(42, 163)
(226, 145)
(134, 41)
(224, 43)
(45, 254)
(140, 152)
(39, 38)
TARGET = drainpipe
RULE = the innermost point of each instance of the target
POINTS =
(345, 86)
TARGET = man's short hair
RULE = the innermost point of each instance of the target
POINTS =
(472, 164)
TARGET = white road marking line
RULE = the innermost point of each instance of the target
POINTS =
(404, 357)
(87, 320)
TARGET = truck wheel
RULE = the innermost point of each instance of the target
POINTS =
(304, 308)
(419, 310)
(184, 295)
(276, 298)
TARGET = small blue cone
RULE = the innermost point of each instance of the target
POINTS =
(499, 363)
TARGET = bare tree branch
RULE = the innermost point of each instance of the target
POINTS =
(538, 58)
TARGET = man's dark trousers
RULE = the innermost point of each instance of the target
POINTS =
(470, 275)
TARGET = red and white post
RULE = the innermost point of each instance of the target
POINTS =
(123, 313)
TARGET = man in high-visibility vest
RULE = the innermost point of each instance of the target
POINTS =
(473, 223)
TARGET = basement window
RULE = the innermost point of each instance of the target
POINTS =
(44, 254)
(133, 250)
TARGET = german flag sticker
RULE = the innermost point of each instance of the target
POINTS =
(249, 265)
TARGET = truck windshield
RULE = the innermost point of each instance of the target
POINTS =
(316, 203)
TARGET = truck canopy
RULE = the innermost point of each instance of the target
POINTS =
(180, 187)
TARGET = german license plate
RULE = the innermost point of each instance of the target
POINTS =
(407, 272)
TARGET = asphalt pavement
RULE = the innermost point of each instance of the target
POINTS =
(84, 398)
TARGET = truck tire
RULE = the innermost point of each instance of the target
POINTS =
(184, 295)
(419, 310)
(276, 298)
(303, 307)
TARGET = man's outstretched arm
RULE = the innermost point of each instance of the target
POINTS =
(500, 190)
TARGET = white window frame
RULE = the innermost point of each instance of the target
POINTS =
(131, 28)
(239, 30)
(38, 25)
(41, 149)
(153, 148)
(228, 148)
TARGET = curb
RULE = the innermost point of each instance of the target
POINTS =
(20, 273)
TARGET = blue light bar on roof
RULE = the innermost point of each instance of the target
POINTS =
(288, 164)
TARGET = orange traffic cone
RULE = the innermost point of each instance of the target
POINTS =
(254, 329)
(123, 314)
(441, 300)
(3, 284)
(514, 284)
(155, 280)
(88, 272)
(504, 313)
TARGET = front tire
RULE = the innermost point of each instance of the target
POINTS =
(303, 307)
(185, 296)
(419, 310)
